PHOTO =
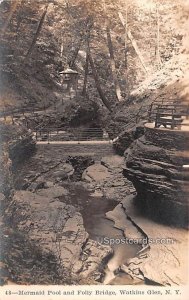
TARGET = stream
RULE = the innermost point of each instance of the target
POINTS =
(93, 208)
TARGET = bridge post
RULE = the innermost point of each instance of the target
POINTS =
(150, 113)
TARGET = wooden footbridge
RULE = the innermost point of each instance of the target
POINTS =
(62, 136)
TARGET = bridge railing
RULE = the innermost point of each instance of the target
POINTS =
(58, 134)
(173, 115)
(155, 108)
(13, 112)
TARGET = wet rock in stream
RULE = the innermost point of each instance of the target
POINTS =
(65, 172)
(107, 176)
(160, 261)
(96, 173)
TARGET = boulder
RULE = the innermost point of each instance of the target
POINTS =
(114, 161)
(96, 173)
(126, 138)
(64, 172)
(36, 185)
(53, 192)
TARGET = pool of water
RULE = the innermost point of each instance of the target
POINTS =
(93, 209)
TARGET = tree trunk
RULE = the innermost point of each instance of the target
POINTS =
(37, 32)
(62, 47)
(97, 81)
(71, 62)
(134, 43)
(89, 25)
(86, 74)
(127, 92)
(112, 58)
(12, 10)
(159, 63)
(113, 65)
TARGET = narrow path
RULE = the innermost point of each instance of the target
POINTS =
(74, 142)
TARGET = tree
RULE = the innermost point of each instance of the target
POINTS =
(39, 27)
(13, 8)
(134, 43)
(112, 58)
(159, 63)
(97, 81)
(84, 91)
(126, 50)
(72, 60)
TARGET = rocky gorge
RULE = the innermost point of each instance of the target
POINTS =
(62, 219)
(41, 214)
(90, 191)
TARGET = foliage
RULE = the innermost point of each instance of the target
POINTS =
(63, 38)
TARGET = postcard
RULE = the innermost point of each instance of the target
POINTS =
(94, 149)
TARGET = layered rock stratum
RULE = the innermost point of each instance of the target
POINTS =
(155, 164)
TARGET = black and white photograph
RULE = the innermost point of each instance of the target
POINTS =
(94, 148)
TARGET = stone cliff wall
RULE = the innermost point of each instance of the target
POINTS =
(21, 149)
(154, 164)
(18, 140)
(16, 144)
